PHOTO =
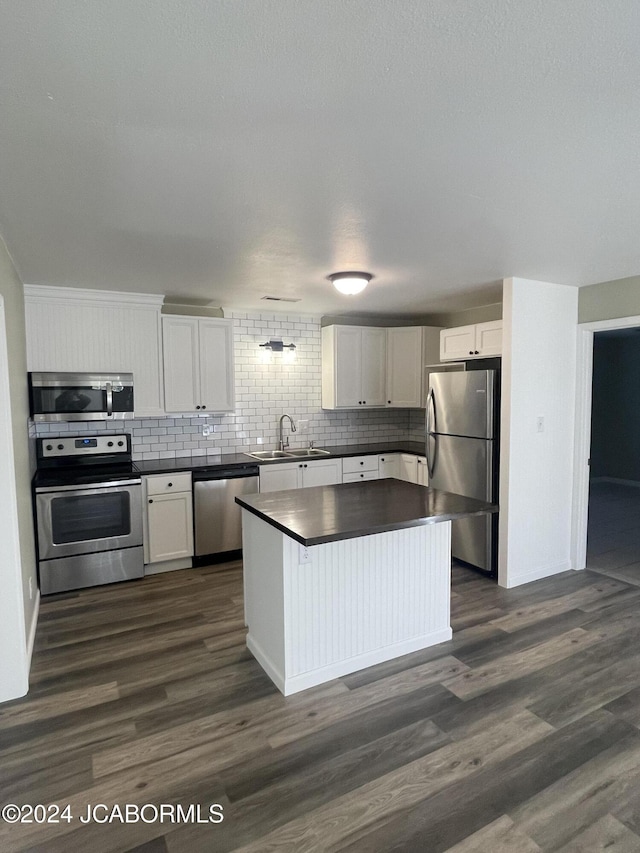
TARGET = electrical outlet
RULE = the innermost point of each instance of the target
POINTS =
(207, 430)
(303, 555)
(259, 440)
(303, 426)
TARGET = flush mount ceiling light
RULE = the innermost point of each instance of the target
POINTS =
(350, 282)
(277, 346)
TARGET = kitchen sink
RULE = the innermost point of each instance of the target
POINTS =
(309, 451)
(268, 454)
(288, 454)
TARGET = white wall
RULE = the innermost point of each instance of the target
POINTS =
(18, 588)
(538, 380)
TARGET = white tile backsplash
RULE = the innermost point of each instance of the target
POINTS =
(264, 391)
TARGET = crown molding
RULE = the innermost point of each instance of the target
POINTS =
(84, 296)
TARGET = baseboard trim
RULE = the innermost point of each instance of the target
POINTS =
(539, 574)
(303, 681)
(31, 640)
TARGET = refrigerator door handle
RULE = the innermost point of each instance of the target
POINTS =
(431, 404)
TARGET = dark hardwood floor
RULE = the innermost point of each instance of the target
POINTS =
(521, 734)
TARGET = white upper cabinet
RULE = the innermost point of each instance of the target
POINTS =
(481, 340)
(409, 349)
(353, 367)
(75, 330)
(198, 364)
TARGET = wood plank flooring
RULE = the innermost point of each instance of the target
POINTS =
(520, 734)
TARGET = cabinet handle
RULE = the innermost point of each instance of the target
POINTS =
(197, 407)
(364, 402)
(301, 465)
(362, 475)
(305, 465)
(359, 402)
(389, 402)
(150, 500)
(477, 352)
(169, 485)
(204, 407)
(362, 463)
(470, 352)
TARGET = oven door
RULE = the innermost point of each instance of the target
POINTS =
(88, 519)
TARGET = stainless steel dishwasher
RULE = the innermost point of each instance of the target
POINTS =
(217, 517)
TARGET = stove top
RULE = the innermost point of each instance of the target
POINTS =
(85, 475)
(80, 460)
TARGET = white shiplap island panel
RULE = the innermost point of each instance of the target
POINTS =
(326, 610)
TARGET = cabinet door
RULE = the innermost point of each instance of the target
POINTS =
(374, 367)
(322, 472)
(408, 468)
(389, 466)
(217, 391)
(489, 338)
(180, 355)
(422, 476)
(457, 343)
(274, 478)
(404, 367)
(348, 366)
(170, 526)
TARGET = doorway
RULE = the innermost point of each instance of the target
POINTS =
(613, 535)
(606, 460)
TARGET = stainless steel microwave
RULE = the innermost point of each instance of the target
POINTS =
(55, 397)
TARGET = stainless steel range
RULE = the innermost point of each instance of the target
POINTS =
(88, 504)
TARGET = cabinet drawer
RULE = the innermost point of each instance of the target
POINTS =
(362, 475)
(160, 484)
(355, 464)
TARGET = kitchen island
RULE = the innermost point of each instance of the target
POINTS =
(338, 578)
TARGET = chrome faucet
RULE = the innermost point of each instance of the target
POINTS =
(282, 443)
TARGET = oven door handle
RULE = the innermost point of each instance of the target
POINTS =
(109, 388)
(44, 490)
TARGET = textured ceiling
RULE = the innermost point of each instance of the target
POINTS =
(228, 149)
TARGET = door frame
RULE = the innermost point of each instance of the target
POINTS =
(582, 440)
(14, 669)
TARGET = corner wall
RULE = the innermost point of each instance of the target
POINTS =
(536, 476)
(18, 581)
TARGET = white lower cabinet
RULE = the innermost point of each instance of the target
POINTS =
(389, 466)
(358, 477)
(299, 475)
(422, 476)
(359, 465)
(168, 520)
(408, 468)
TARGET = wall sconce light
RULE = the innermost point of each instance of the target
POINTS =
(278, 346)
(350, 283)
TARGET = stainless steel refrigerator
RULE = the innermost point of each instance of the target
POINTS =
(462, 421)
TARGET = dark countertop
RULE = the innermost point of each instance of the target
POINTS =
(232, 460)
(321, 514)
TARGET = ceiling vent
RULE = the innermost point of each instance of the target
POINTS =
(280, 299)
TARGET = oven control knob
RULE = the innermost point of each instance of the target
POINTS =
(109, 444)
(120, 443)
(49, 447)
(61, 447)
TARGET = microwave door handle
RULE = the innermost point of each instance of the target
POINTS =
(109, 399)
